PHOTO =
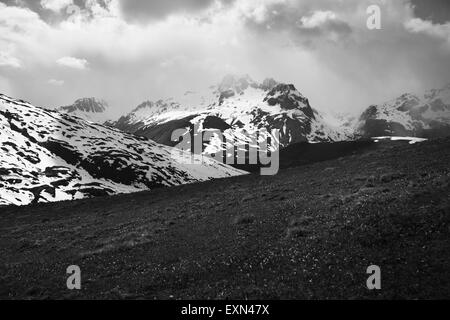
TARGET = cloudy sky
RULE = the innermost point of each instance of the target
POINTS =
(126, 51)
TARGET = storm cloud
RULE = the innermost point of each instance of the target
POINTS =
(145, 11)
(437, 11)
(130, 51)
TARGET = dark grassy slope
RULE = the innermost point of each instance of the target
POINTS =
(309, 232)
(303, 153)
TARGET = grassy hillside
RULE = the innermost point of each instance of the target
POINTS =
(309, 232)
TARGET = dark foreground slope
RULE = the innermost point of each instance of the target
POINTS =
(309, 232)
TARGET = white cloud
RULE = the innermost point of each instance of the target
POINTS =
(17, 20)
(55, 82)
(418, 25)
(285, 39)
(56, 5)
(72, 62)
(7, 60)
(317, 19)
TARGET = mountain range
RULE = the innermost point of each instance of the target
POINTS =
(239, 105)
(236, 106)
(426, 115)
(78, 150)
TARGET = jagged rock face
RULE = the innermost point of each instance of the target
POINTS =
(289, 98)
(237, 105)
(409, 115)
(90, 109)
(91, 105)
(48, 156)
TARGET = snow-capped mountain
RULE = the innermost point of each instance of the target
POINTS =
(236, 106)
(426, 115)
(239, 105)
(49, 156)
(90, 109)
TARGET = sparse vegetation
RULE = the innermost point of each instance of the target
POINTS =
(244, 219)
(296, 232)
(305, 233)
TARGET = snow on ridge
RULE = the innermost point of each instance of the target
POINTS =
(241, 100)
(426, 114)
(412, 140)
(48, 156)
(90, 109)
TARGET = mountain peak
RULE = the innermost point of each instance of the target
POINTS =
(143, 105)
(268, 84)
(236, 83)
(287, 96)
(423, 115)
(90, 109)
(88, 105)
(156, 106)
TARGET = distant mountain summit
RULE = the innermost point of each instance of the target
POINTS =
(426, 115)
(90, 109)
